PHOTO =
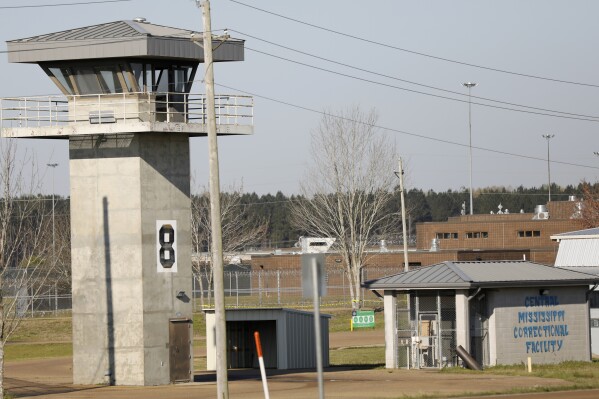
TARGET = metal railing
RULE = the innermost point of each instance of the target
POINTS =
(59, 110)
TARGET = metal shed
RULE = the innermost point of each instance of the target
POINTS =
(579, 251)
(287, 337)
(502, 312)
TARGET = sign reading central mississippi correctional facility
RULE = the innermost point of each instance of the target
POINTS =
(166, 246)
(542, 327)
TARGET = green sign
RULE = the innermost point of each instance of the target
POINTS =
(363, 319)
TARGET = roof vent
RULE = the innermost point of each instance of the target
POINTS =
(140, 20)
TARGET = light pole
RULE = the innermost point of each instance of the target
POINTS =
(53, 166)
(470, 85)
(548, 137)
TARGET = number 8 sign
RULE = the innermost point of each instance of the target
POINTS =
(166, 246)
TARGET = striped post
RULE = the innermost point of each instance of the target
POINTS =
(261, 363)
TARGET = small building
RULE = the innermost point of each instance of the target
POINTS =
(579, 250)
(287, 338)
(501, 312)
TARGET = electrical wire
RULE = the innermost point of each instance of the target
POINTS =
(64, 4)
(587, 119)
(422, 136)
(552, 113)
(409, 81)
(389, 46)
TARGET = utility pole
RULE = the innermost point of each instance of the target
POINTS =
(548, 137)
(222, 384)
(403, 215)
(53, 166)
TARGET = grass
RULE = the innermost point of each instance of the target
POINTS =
(357, 356)
(46, 329)
(37, 351)
(581, 375)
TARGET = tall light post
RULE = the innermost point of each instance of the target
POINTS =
(53, 166)
(470, 85)
(548, 137)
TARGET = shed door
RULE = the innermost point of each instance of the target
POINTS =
(180, 350)
(241, 348)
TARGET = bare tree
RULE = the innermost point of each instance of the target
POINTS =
(238, 231)
(590, 205)
(348, 188)
(25, 245)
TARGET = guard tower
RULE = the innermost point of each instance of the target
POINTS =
(127, 112)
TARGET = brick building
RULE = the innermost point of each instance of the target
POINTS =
(482, 237)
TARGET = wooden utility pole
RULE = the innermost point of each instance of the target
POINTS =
(403, 217)
(222, 385)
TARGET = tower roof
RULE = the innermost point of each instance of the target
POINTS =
(120, 39)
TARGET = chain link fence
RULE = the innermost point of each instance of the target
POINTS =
(244, 288)
(283, 288)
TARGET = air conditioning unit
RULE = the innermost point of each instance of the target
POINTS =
(541, 216)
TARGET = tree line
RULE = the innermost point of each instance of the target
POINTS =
(421, 206)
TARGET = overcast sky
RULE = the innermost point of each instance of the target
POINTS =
(549, 39)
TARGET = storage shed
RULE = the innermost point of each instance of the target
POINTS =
(287, 337)
(579, 251)
(501, 312)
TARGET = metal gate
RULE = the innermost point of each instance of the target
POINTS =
(426, 329)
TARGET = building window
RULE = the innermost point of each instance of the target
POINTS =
(594, 323)
(594, 300)
(477, 234)
(446, 236)
(529, 233)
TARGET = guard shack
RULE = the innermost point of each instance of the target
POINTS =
(287, 337)
(501, 312)
(127, 111)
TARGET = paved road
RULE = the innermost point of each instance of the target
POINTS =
(52, 379)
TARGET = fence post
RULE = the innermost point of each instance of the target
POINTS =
(260, 288)
(278, 287)
(193, 291)
(237, 288)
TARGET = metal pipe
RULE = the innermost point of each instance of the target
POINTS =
(470, 362)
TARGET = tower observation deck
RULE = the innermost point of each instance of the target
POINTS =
(122, 77)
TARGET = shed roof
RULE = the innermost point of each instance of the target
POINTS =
(462, 275)
(578, 234)
(578, 248)
(118, 39)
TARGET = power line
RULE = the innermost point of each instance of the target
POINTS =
(64, 4)
(381, 44)
(588, 119)
(566, 115)
(405, 80)
(422, 136)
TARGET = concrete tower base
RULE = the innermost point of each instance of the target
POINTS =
(121, 186)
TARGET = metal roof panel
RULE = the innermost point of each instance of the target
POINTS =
(495, 273)
(118, 40)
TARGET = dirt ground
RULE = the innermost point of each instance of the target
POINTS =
(51, 378)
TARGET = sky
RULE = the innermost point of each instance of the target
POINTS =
(397, 40)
